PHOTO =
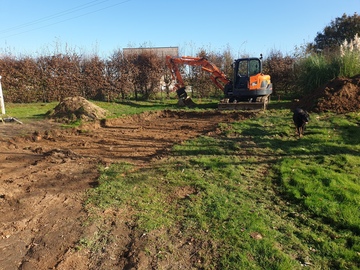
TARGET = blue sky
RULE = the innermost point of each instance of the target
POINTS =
(40, 27)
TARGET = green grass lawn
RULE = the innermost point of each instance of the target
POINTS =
(28, 111)
(260, 197)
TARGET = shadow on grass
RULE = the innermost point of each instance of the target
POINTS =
(279, 105)
(170, 104)
(149, 104)
(273, 142)
(255, 145)
(40, 116)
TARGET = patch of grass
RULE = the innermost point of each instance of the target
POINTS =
(329, 191)
(320, 172)
(210, 198)
(121, 108)
(256, 197)
(118, 109)
(120, 185)
(29, 111)
(38, 111)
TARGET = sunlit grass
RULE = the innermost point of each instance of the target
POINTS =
(38, 111)
(28, 111)
(255, 197)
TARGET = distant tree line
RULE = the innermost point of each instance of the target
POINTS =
(143, 76)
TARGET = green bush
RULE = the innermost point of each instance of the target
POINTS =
(317, 69)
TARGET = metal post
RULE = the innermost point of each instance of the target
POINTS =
(2, 105)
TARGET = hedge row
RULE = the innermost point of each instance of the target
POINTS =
(54, 77)
(51, 78)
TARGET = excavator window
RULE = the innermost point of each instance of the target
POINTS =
(246, 67)
(249, 67)
(242, 77)
(254, 67)
(243, 68)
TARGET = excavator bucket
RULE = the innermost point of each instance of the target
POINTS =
(181, 93)
(184, 99)
(187, 102)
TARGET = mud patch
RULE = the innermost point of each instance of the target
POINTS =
(44, 176)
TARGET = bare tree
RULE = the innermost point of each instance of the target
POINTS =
(143, 72)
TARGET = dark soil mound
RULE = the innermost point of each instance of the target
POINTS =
(75, 108)
(340, 95)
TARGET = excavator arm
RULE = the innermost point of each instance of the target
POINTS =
(216, 75)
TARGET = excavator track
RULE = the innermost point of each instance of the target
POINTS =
(260, 104)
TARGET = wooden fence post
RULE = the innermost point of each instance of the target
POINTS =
(2, 105)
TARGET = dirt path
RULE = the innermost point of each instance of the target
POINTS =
(44, 176)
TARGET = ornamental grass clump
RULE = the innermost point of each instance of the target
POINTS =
(350, 57)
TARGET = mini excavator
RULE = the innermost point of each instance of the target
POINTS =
(250, 89)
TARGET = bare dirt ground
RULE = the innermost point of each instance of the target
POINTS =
(45, 171)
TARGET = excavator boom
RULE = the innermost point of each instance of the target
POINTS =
(216, 75)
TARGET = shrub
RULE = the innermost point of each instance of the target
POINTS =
(317, 69)
(350, 57)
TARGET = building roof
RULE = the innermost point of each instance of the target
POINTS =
(159, 51)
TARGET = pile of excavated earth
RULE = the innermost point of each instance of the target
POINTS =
(76, 108)
(340, 95)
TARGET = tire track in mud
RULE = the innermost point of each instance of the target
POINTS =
(44, 176)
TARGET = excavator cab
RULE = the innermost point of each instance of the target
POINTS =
(250, 84)
(244, 69)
